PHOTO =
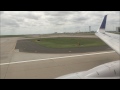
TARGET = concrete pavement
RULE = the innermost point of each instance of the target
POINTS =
(42, 67)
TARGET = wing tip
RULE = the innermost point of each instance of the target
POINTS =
(103, 24)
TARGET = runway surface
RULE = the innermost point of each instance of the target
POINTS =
(23, 65)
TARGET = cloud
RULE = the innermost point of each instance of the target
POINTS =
(1, 12)
(9, 22)
(58, 13)
(31, 16)
(55, 21)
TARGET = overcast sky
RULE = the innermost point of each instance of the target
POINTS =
(44, 22)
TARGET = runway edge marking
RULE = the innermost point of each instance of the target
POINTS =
(56, 58)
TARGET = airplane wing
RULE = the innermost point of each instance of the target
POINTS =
(109, 70)
(112, 40)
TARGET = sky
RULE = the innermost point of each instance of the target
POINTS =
(46, 22)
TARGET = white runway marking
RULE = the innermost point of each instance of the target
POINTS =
(56, 58)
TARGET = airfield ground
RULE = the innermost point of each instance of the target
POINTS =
(19, 63)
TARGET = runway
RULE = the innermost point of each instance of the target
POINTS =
(23, 65)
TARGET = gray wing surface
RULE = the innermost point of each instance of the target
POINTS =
(112, 40)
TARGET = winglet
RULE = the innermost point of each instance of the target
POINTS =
(103, 25)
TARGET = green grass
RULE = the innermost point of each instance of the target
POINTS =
(69, 42)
